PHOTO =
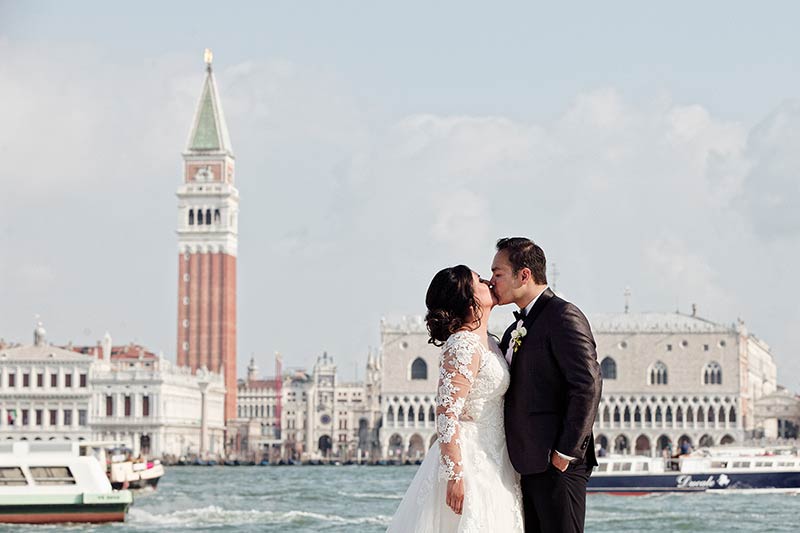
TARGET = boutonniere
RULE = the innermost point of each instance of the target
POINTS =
(517, 335)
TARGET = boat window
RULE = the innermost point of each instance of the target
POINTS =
(761, 463)
(617, 467)
(719, 464)
(52, 475)
(626, 466)
(741, 464)
(602, 467)
(12, 476)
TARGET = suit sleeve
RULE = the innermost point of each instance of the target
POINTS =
(576, 355)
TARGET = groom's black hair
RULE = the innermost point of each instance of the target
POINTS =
(524, 253)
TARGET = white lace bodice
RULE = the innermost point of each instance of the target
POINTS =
(472, 382)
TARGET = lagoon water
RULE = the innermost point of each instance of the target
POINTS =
(363, 499)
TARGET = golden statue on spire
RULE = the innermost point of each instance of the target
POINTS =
(208, 56)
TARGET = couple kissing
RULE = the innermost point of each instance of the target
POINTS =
(513, 418)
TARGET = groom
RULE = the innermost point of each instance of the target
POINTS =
(555, 387)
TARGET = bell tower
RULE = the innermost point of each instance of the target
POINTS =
(208, 210)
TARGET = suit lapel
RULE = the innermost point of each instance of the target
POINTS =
(530, 318)
(536, 310)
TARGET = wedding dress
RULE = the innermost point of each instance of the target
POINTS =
(471, 448)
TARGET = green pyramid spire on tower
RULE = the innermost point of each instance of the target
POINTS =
(209, 131)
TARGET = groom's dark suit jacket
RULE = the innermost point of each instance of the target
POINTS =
(555, 387)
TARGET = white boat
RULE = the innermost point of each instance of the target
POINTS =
(50, 482)
(124, 471)
(721, 469)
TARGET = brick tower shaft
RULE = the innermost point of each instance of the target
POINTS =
(208, 210)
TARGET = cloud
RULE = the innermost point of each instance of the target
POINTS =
(349, 213)
(771, 192)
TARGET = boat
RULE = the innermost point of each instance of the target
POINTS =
(51, 483)
(722, 469)
(123, 470)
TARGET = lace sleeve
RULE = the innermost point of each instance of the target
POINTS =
(457, 369)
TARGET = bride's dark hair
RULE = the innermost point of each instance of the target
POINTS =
(450, 301)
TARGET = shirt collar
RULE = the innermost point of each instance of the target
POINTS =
(530, 305)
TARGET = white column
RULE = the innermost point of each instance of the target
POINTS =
(203, 417)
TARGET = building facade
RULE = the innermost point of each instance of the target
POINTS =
(670, 378)
(667, 378)
(307, 415)
(45, 392)
(778, 415)
(255, 434)
(155, 407)
(409, 373)
(208, 211)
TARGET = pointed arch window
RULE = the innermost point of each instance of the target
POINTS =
(421, 414)
(679, 414)
(208, 217)
(616, 414)
(658, 414)
(711, 416)
(419, 369)
(648, 415)
(608, 368)
(199, 217)
(721, 415)
(191, 217)
(690, 415)
(637, 415)
(606, 414)
(658, 373)
(217, 218)
(701, 415)
(411, 414)
(626, 416)
(390, 414)
(732, 415)
(712, 374)
(431, 414)
(401, 415)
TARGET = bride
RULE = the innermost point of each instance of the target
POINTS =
(466, 482)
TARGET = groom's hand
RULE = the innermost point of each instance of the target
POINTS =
(455, 495)
(559, 462)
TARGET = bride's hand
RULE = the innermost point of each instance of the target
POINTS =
(455, 495)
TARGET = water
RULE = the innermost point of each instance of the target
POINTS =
(363, 499)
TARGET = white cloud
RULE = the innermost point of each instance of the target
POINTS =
(350, 215)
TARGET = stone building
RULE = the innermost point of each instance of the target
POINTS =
(328, 419)
(306, 415)
(778, 415)
(256, 431)
(45, 391)
(670, 377)
(409, 370)
(153, 406)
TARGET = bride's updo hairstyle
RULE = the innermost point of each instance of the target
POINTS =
(450, 301)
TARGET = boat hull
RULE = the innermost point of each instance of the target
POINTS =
(696, 482)
(58, 514)
(137, 484)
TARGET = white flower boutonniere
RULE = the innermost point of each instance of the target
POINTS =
(517, 335)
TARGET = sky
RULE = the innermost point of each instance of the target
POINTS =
(642, 146)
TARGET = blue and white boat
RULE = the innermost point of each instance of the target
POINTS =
(710, 469)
